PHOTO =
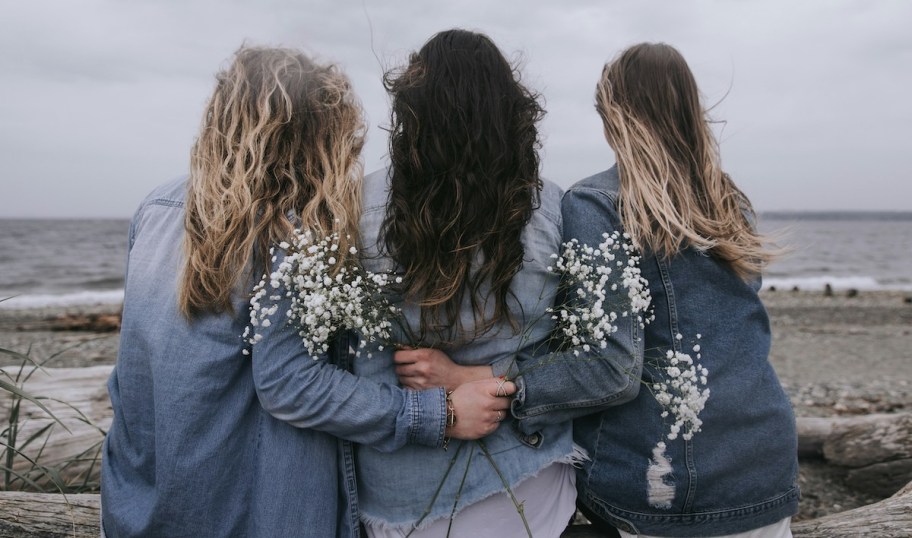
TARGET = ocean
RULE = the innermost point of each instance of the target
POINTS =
(77, 262)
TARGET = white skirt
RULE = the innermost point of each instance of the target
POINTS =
(780, 529)
(548, 499)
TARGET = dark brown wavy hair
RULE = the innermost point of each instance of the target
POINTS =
(465, 177)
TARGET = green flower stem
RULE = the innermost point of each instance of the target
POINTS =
(520, 509)
(465, 474)
(439, 487)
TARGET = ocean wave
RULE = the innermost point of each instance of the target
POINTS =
(80, 298)
(818, 283)
(804, 283)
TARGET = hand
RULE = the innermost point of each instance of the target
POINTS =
(479, 407)
(426, 368)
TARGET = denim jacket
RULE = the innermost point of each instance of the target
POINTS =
(396, 488)
(209, 442)
(738, 473)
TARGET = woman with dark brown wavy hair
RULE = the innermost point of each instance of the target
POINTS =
(463, 217)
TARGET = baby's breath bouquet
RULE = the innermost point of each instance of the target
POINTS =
(588, 315)
(605, 283)
(326, 298)
(681, 389)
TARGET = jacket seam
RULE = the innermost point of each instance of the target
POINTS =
(722, 514)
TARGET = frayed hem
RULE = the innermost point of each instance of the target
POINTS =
(577, 458)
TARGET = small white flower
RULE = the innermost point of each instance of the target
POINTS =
(320, 306)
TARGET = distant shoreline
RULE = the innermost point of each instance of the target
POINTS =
(775, 214)
(836, 215)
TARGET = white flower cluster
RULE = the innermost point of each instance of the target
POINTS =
(595, 276)
(683, 392)
(325, 299)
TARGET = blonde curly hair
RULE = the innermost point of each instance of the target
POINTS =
(279, 148)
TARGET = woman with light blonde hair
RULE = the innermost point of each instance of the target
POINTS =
(702, 258)
(211, 437)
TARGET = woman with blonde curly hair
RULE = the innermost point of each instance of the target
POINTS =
(211, 437)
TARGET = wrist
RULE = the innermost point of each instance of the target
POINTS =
(450, 419)
(475, 373)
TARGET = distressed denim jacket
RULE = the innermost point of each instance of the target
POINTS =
(739, 472)
(396, 488)
(209, 442)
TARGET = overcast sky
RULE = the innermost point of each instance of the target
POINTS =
(100, 100)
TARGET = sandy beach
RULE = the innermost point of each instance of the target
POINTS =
(845, 354)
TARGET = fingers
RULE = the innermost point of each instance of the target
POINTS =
(406, 356)
(502, 387)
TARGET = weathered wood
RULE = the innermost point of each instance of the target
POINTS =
(870, 439)
(812, 433)
(27, 515)
(876, 449)
(889, 518)
(30, 515)
(95, 322)
(79, 398)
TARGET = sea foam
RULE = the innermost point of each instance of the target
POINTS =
(80, 298)
(818, 283)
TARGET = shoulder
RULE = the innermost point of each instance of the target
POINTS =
(375, 190)
(170, 194)
(550, 201)
(173, 193)
(167, 195)
(600, 189)
(606, 182)
(589, 207)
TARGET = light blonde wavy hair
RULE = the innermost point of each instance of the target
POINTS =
(673, 192)
(278, 149)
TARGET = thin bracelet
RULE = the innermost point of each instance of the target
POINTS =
(450, 418)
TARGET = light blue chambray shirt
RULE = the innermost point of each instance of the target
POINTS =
(395, 488)
(208, 442)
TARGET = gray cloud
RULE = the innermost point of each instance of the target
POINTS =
(101, 100)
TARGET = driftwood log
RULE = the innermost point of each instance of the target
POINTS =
(32, 515)
(876, 450)
(79, 398)
(889, 518)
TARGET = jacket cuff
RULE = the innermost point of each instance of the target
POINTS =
(427, 411)
(519, 398)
